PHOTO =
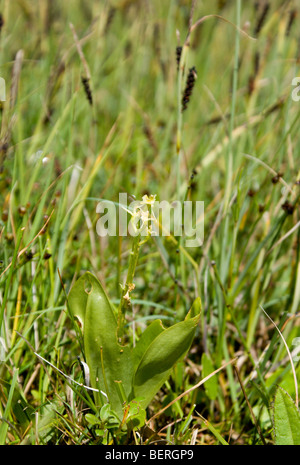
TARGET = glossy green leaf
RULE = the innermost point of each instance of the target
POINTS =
(147, 337)
(108, 361)
(92, 419)
(286, 419)
(164, 347)
(141, 371)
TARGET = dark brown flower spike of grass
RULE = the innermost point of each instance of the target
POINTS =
(261, 18)
(292, 17)
(178, 55)
(276, 178)
(288, 207)
(252, 78)
(110, 18)
(190, 82)
(87, 89)
(1, 21)
(221, 4)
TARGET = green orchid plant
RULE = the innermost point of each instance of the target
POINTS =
(126, 378)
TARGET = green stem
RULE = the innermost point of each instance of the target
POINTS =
(181, 73)
(125, 299)
(121, 392)
(229, 159)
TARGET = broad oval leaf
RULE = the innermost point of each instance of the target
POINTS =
(166, 348)
(286, 419)
(108, 361)
(150, 333)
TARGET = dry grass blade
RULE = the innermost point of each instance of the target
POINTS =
(80, 53)
(204, 18)
(16, 77)
(273, 172)
(283, 238)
